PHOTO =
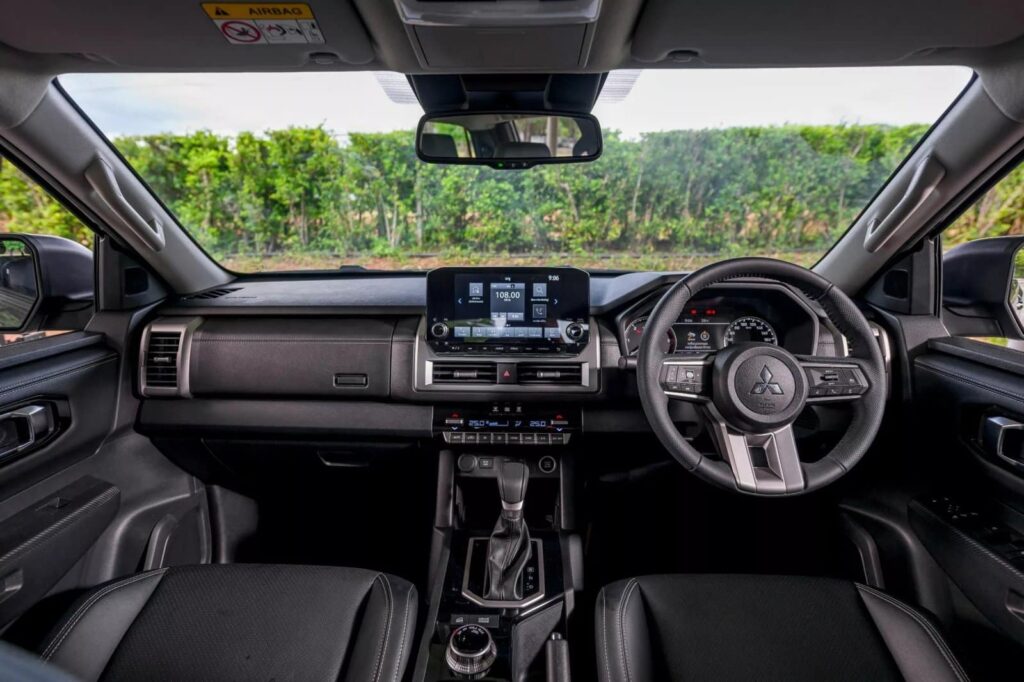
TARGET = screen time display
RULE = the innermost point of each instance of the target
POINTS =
(510, 307)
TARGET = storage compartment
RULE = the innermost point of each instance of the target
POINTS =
(298, 357)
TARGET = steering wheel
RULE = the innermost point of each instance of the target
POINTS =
(752, 393)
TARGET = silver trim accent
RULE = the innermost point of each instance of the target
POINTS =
(518, 506)
(538, 549)
(784, 472)
(424, 358)
(185, 328)
(994, 429)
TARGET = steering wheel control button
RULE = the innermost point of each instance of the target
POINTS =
(683, 377)
(471, 651)
(835, 382)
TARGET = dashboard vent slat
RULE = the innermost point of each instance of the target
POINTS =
(561, 374)
(162, 359)
(212, 293)
(465, 373)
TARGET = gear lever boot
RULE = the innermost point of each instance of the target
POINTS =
(509, 548)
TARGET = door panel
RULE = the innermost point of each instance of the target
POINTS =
(92, 500)
(973, 522)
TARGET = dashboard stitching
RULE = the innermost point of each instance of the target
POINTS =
(967, 380)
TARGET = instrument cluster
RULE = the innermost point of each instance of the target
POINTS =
(726, 315)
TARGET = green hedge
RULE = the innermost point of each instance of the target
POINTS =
(728, 192)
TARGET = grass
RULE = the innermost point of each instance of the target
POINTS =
(252, 263)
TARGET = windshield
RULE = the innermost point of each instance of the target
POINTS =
(280, 172)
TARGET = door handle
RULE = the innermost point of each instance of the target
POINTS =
(1003, 437)
(22, 428)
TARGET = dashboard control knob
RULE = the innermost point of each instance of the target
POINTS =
(471, 651)
(439, 330)
(574, 331)
(547, 464)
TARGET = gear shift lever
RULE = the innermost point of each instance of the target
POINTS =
(509, 548)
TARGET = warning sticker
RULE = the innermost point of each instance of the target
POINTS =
(265, 23)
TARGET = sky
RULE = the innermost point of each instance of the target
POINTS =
(136, 104)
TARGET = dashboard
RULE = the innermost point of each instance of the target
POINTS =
(517, 354)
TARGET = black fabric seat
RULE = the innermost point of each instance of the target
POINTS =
(734, 627)
(240, 622)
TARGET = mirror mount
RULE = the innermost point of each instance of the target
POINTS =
(508, 139)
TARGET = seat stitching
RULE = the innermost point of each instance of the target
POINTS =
(932, 633)
(604, 634)
(89, 603)
(405, 628)
(383, 644)
(630, 589)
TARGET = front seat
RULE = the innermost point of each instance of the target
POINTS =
(737, 627)
(240, 622)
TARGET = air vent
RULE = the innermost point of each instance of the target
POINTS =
(162, 359)
(212, 293)
(465, 373)
(549, 373)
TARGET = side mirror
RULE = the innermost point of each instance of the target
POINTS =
(41, 276)
(508, 139)
(983, 288)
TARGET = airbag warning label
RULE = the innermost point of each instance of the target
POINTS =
(264, 23)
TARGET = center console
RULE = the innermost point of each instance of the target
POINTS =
(505, 568)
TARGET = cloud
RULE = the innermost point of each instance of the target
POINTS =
(135, 104)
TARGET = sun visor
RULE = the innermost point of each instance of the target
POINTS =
(147, 34)
(815, 33)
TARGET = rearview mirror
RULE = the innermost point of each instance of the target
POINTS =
(508, 140)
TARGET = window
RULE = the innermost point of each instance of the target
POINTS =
(289, 171)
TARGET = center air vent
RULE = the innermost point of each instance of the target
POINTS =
(465, 373)
(548, 373)
(162, 360)
(212, 293)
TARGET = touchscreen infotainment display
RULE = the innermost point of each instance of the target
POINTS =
(515, 308)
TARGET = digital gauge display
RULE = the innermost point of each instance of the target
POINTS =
(705, 330)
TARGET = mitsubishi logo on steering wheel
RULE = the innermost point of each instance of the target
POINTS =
(766, 384)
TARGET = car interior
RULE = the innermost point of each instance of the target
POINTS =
(517, 464)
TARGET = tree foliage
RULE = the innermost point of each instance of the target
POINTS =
(725, 192)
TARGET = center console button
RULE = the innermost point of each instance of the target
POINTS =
(547, 463)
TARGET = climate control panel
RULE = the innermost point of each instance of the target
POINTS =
(505, 423)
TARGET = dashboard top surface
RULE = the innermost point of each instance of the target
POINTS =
(388, 293)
